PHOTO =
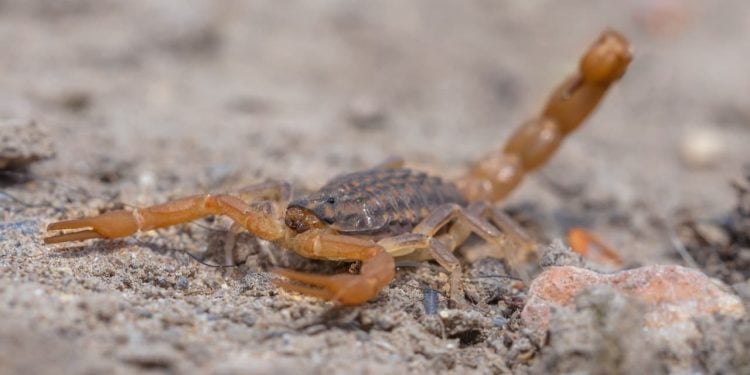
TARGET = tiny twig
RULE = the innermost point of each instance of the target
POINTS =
(497, 276)
(22, 202)
(191, 255)
(679, 246)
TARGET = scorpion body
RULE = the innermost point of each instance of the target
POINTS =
(378, 203)
(377, 215)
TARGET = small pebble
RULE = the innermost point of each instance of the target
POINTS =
(162, 282)
(362, 336)
(248, 319)
(430, 301)
(182, 283)
(499, 321)
(701, 148)
(146, 180)
(366, 114)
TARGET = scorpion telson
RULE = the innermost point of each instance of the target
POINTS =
(390, 212)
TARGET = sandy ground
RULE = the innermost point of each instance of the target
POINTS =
(144, 101)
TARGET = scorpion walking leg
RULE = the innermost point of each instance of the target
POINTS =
(377, 271)
(425, 243)
(422, 247)
(276, 193)
(123, 223)
(442, 254)
(520, 247)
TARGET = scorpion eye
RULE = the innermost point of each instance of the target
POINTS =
(328, 220)
(331, 200)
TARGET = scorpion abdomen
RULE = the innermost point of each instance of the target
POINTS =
(379, 202)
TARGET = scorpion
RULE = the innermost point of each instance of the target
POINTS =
(389, 211)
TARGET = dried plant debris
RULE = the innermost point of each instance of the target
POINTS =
(722, 247)
(22, 142)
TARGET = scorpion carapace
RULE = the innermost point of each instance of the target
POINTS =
(380, 202)
(376, 215)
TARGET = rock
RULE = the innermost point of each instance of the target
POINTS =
(673, 295)
(558, 254)
(365, 113)
(723, 347)
(743, 290)
(601, 334)
(701, 148)
(722, 247)
(182, 283)
(670, 300)
(22, 142)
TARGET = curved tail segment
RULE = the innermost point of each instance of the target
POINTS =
(494, 176)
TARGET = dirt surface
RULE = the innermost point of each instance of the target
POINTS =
(145, 101)
(722, 246)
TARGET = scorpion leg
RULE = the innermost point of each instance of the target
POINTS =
(230, 240)
(278, 193)
(512, 242)
(377, 271)
(473, 220)
(523, 246)
(123, 223)
(442, 254)
(420, 246)
(426, 241)
(526, 246)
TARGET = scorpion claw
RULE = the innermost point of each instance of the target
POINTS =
(108, 225)
(306, 290)
(344, 288)
(73, 236)
(307, 278)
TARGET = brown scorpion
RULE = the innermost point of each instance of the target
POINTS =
(389, 212)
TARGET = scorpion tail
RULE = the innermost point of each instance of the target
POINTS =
(494, 176)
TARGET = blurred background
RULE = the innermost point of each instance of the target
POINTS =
(176, 96)
(149, 100)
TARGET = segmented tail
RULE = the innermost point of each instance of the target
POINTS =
(495, 175)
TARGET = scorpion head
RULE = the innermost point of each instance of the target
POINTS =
(301, 219)
(346, 213)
